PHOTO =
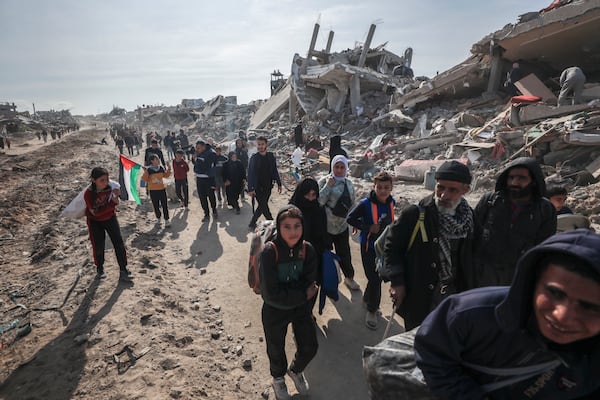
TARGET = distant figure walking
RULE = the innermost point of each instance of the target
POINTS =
(262, 171)
(154, 175)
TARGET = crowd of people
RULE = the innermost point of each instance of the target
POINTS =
(492, 286)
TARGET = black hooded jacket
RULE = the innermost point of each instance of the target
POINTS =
(286, 273)
(501, 237)
(496, 327)
(315, 219)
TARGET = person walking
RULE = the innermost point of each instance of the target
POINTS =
(180, 171)
(154, 175)
(306, 198)
(242, 154)
(220, 160)
(153, 149)
(510, 221)
(234, 176)
(336, 193)
(371, 216)
(288, 273)
(537, 339)
(101, 200)
(428, 251)
(204, 169)
(335, 148)
(262, 172)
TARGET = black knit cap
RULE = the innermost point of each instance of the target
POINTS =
(453, 171)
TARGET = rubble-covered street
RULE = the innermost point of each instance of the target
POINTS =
(189, 327)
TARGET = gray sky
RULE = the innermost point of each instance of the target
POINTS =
(87, 56)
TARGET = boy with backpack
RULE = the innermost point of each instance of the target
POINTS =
(288, 274)
(371, 216)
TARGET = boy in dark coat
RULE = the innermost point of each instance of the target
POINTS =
(547, 322)
(371, 216)
(288, 273)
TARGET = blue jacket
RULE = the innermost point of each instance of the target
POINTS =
(361, 217)
(204, 165)
(495, 327)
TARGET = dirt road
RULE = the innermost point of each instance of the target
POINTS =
(189, 327)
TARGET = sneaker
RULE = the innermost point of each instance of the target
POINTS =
(167, 222)
(351, 283)
(371, 320)
(237, 211)
(100, 274)
(299, 381)
(280, 389)
(125, 276)
(252, 226)
(215, 213)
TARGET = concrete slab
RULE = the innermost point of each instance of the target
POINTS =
(532, 86)
(275, 103)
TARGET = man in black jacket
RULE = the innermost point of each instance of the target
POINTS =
(510, 221)
(262, 171)
(154, 149)
(428, 250)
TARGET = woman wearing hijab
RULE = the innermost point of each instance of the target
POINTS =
(336, 193)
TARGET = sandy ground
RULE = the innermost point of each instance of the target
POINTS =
(188, 327)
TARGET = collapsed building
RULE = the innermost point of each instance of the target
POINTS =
(410, 124)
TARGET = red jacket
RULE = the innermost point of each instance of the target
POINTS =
(180, 169)
(101, 203)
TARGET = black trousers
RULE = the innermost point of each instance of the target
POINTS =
(159, 199)
(262, 196)
(97, 231)
(206, 192)
(372, 293)
(275, 325)
(341, 242)
(182, 191)
(233, 194)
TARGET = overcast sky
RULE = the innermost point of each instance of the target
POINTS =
(87, 56)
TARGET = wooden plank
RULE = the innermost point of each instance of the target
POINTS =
(532, 86)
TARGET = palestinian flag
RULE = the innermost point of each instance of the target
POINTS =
(129, 175)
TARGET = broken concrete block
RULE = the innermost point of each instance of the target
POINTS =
(532, 86)
(594, 168)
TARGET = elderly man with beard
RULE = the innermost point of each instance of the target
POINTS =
(428, 250)
(510, 221)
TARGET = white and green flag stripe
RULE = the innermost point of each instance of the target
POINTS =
(129, 175)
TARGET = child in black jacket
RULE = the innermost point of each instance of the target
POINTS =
(288, 269)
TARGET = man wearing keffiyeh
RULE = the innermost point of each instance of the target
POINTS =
(431, 259)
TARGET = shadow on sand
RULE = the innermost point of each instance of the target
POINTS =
(55, 370)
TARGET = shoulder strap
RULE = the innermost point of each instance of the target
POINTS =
(419, 226)
(272, 245)
(516, 374)
(374, 212)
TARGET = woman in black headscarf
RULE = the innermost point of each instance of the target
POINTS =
(335, 148)
(306, 198)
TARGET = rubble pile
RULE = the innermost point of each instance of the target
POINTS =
(389, 119)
